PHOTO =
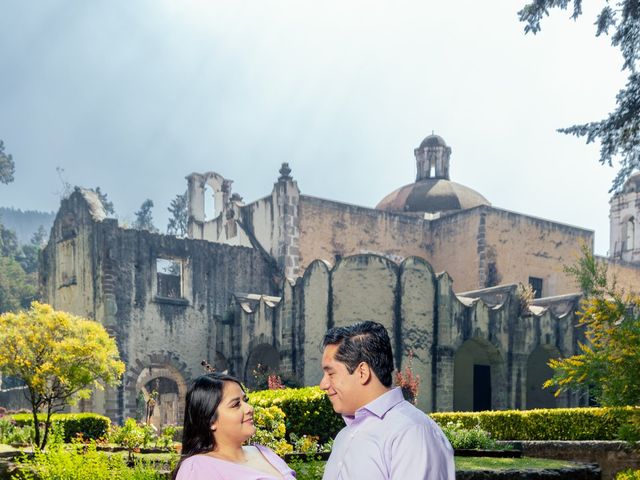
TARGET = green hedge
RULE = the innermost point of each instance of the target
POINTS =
(628, 475)
(91, 425)
(545, 424)
(308, 410)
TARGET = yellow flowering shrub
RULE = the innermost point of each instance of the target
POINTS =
(307, 410)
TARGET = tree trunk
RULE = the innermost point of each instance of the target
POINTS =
(36, 426)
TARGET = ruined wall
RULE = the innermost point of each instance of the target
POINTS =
(532, 247)
(443, 335)
(486, 246)
(479, 248)
(455, 241)
(626, 275)
(229, 305)
(331, 229)
(159, 332)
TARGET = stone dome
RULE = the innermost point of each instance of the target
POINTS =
(430, 196)
(432, 191)
(433, 141)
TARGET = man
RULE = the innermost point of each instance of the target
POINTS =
(385, 436)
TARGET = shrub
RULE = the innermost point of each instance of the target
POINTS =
(166, 438)
(80, 462)
(89, 426)
(469, 438)
(306, 444)
(628, 475)
(307, 410)
(270, 429)
(132, 436)
(545, 424)
(10, 432)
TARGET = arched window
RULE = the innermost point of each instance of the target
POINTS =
(630, 237)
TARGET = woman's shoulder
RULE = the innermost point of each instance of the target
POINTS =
(198, 467)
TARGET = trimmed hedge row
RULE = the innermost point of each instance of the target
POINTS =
(308, 410)
(545, 424)
(90, 425)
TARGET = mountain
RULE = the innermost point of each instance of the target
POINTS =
(26, 223)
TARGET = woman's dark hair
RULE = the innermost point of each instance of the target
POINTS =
(363, 342)
(200, 412)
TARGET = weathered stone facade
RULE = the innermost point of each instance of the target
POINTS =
(258, 284)
(165, 321)
(451, 226)
(172, 302)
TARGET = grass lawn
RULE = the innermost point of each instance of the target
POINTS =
(491, 463)
(313, 470)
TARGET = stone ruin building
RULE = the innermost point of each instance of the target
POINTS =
(259, 283)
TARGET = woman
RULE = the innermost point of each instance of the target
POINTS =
(217, 422)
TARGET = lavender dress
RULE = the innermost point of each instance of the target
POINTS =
(205, 467)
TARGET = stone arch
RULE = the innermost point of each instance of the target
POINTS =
(265, 356)
(537, 373)
(478, 378)
(168, 389)
(164, 373)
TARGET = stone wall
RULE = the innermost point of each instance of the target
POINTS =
(479, 247)
(611, 456)
(447, 334)
(93, 268)
(173, 302)
(330, 230)
(625, 274)
(486, 246)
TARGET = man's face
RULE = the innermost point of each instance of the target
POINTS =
(343, 388)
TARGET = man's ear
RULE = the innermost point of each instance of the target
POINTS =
(363, 370)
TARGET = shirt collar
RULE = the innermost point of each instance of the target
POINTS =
(378, 407)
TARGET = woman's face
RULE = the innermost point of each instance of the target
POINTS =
(234, 424)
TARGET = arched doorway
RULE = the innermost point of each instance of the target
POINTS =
(537, 373)
(161, 407)
(264, 360)
(477, 364)
(160, 397)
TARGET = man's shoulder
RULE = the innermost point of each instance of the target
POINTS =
(407, 413)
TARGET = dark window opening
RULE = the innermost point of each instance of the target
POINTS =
(169, 276)
(536, 285)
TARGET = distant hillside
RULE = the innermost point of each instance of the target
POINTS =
(26, 223)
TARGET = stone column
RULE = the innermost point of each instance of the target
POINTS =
(286, 197)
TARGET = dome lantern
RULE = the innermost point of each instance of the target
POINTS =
(432, 158)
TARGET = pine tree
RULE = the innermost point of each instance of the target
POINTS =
(179, 216)
(7, 166)
(144, 218)
(619, 133)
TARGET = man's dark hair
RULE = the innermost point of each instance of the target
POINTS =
(363, 342)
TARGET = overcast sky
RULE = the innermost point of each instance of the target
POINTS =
(134, 95)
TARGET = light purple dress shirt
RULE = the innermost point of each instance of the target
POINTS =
(390, 439)
(205, 467)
